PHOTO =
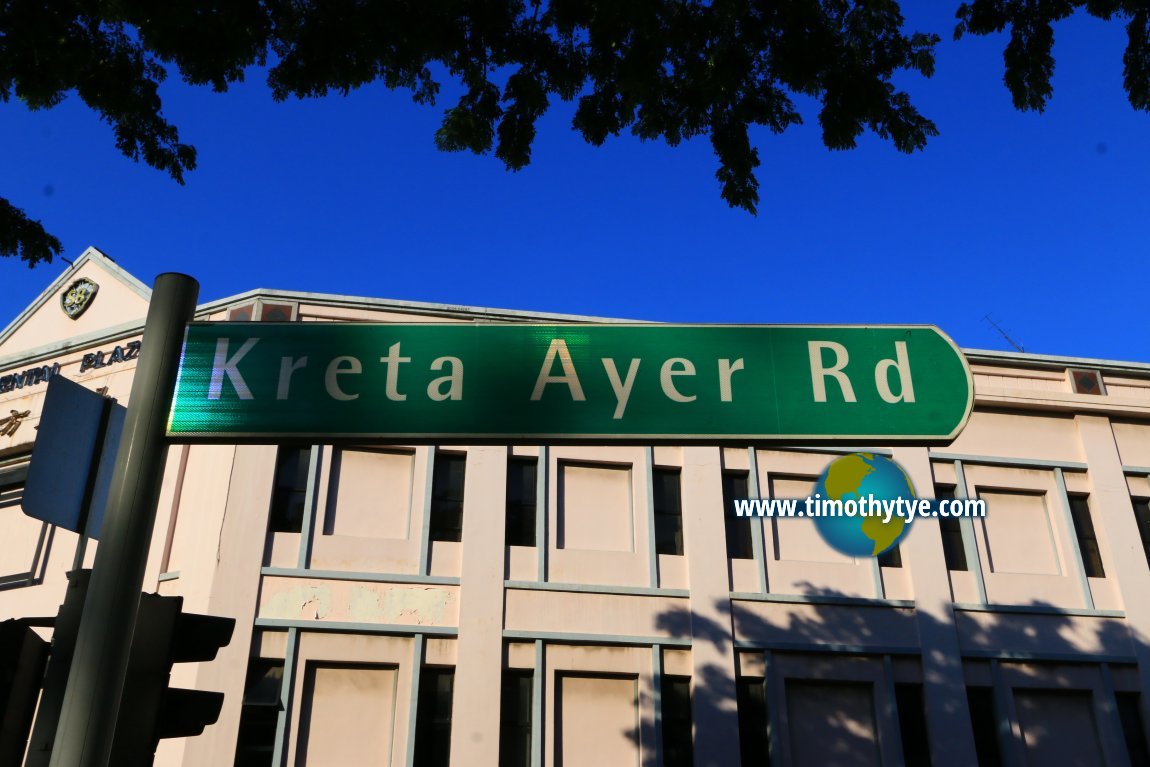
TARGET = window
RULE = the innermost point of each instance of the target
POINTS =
(912, 724)
(276, 312)
(433, 717)
(263, 311)
(290, 489)
(752, 702)
(12, 485)
(1087, 538)
(676, 700)
(596, 720)
(447, 497)
(260, 713)
(1129, 713)
(827, 719)
(515, 719)
(1142, 517)
(1086, 381)
(668, 512)
(520, 519)
(595, 510)
(984, 722)
(890, 558)
(241, 313)
(953, 549)
(326, 734)
(735, 486)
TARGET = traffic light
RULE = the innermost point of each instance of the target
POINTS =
(23, 655)
(64, 631)
(149, 709)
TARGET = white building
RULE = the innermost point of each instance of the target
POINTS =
(536, 605)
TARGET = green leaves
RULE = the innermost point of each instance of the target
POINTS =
(24, 238)
(1029, 56)
(664, 70)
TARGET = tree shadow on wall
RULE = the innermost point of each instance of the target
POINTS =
(833, 626)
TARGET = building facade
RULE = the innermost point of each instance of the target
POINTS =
(558, 605)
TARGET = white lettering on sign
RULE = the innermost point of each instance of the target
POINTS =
(287, 367)
(726, 370)
(454, 380)
(676, 366)
(558, 348)
(223, 365)
(393, 361)
(901, 364)
(819, 372)
(622, 389)
(671, 371)
(341, 366)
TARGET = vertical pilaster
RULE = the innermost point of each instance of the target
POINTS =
(479, 665)
(1116, 523)
(944, 687)
(712, 649)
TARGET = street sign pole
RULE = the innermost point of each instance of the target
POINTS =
(95, 683)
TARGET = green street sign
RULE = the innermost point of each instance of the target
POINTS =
(252, 382)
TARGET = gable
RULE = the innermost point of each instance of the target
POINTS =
(119, 299)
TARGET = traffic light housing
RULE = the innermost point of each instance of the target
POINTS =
(23, 655)
(149, 709)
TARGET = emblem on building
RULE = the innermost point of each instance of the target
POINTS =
(78, 297)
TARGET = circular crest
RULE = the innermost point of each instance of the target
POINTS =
(78, 297)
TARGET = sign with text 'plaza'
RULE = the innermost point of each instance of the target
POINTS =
(569, 383)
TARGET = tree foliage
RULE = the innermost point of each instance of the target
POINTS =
(663, 69)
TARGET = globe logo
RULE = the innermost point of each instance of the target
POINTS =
(855, 477)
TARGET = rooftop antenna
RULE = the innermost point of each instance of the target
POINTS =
(1009, 340)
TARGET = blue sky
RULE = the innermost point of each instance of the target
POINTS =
(1038, 220)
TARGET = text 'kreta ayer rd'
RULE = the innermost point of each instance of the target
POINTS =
(557, 369)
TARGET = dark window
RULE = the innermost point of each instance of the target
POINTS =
(984, 722)
(259, 714)
(433, 717)
(676, 704)
(912, 724)
(521, 488)
(1087, 538)
(241, 313)
(290, 489)
(515, 719)
(447, 497)
(891, 557)
(1130, 714)
(1087, 382)
(275, 312)
(750, 694)
(738, 528)
(953, 549)
(1142, 517)
(668, 512)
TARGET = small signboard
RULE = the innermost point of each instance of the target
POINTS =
(72, 459)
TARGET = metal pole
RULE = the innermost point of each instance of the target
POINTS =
(96, 679)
